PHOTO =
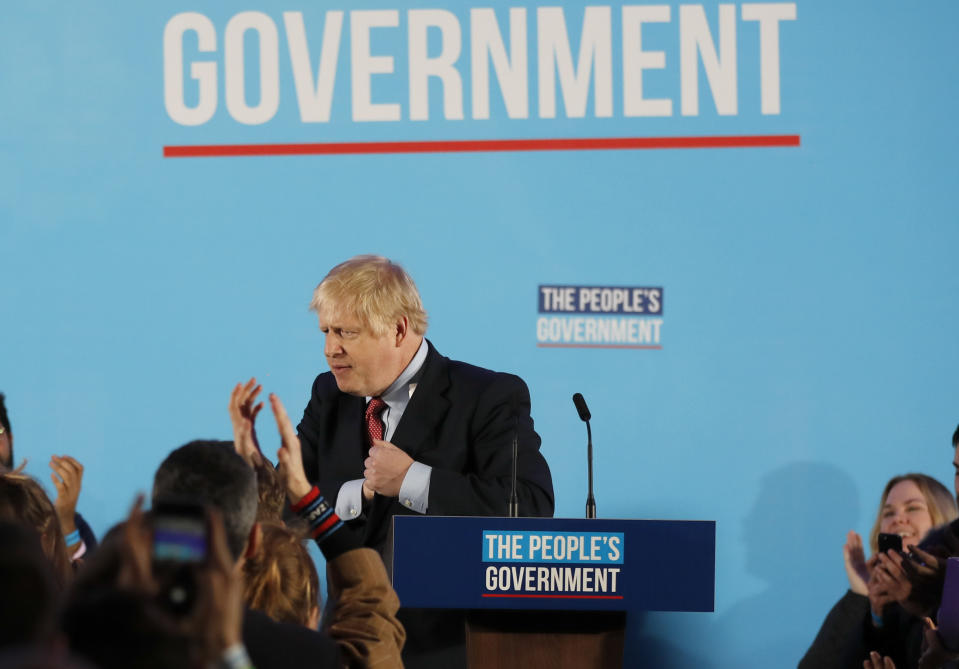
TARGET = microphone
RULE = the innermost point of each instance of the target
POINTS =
(513, 499)
(513, 510)
(581, 407)
(584, 416)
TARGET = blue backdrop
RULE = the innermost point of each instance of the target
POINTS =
(806, 345)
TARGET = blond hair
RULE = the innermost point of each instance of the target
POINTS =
(374, 289)
(939, 501)
(281, 579)
(271, 494)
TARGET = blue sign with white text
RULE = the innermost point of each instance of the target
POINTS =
(554, 563)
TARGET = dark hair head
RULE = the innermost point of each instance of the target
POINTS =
(6, 461)
(211, 473)
(23, 501)
(27, 657)
(955, 437)
(29, 589)
(117, 629)
(4, 418)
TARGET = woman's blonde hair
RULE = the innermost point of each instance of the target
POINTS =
(281, 579)
(940, 502)
(374, 289)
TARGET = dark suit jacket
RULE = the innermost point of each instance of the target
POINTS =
(461, 422)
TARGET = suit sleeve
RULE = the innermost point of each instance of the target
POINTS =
(482, 488)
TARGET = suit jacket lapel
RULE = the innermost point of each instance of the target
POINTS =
(427, 407)
(350, 434)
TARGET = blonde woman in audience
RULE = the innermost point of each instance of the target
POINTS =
(866, 618)
(281, 579)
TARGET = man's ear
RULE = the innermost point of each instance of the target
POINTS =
(253, 541)
(402, 329)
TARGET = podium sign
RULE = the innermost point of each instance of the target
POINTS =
(554, 563)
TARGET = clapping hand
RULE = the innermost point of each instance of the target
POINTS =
(857, 570)
(289, 456)
(243, 412)
(67, 477)
(876, 661)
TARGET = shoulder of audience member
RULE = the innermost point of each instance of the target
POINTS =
(266, 638)
(936, 538)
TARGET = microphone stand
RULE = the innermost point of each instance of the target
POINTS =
(513, 499)
(590, 501)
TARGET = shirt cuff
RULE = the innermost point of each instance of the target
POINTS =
(415, 490)
(349, 501)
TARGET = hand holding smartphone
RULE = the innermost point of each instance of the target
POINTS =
(180, 548)
(889, 541)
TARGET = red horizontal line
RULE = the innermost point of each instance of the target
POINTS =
(556, 596)
(633, 346)
(480, 145)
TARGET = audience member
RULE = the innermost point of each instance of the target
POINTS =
(6, 437)
(271, 493)
(67, 477)
(867, 617)
(23, 501)
(281, 579)
(917, 583)
(29, 589)
(364, 631)
(116, 620)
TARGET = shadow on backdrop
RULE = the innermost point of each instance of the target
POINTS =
(793, 535)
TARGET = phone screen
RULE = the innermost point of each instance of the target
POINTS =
(179, 533)
(179, 551)
(179, 538)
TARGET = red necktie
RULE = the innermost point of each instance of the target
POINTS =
(374, 426)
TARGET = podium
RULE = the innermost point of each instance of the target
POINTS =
(552, 592)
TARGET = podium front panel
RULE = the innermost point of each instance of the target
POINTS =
(554, 563)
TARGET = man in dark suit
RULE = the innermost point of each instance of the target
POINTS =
(396, 428)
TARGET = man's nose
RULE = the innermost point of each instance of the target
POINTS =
(331, 346)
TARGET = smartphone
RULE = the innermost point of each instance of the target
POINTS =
(180, 548)
(887, 541)
(179, 533)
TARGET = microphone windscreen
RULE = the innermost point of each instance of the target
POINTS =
(580, 403)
